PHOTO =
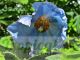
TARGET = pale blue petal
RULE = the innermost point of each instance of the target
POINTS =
(48, 42)
(54, 30)
(19, 33)
(20, 30)
(25, 19)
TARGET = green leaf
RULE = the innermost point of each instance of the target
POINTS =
(63, 0)
(22, 1)
(68, 56)
(70, 13)
(2, 17)
(77, 23)
(1, 56)
(36, 0)
(10, 56)
(44, 50)
(32, 9)
(53, 57)
(3, 22)
(6, 42)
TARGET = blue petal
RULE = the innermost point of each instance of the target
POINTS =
(64, 19)
(54, 14)
(63, 16)
(61, 12)
(44, 9)
(47, 8)
(36, 5)
(63, 33)
(57, 19)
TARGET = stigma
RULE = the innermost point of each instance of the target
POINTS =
(42, 24)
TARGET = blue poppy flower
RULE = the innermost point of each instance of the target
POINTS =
(45, 27)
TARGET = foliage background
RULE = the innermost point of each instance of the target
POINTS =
(10, 10)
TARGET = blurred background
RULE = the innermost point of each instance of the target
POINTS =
(10, 10)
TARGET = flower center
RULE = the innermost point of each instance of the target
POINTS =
(42, 24)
